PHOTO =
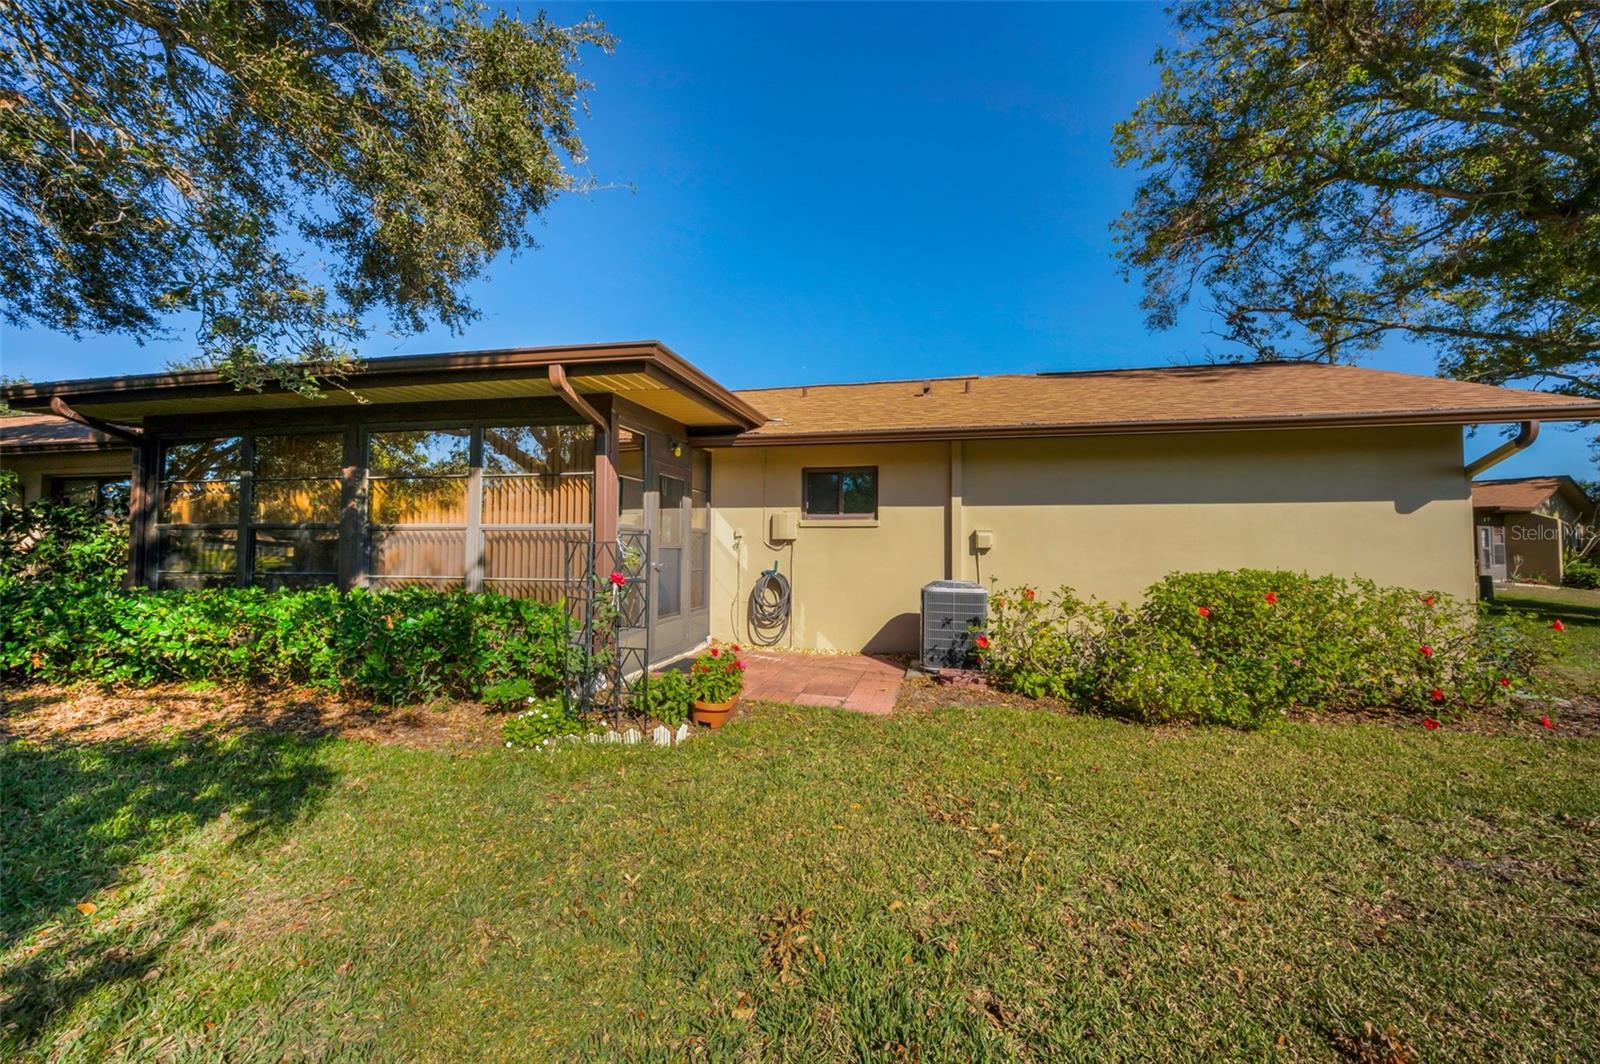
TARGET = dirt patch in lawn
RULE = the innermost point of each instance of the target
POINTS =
(92, 714)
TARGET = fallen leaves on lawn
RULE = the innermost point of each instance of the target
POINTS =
(1372, 1046)
(87, 907)
(788, 943)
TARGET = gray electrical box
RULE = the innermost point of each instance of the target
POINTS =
(953, 611)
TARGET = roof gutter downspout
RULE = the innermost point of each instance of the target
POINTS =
(1525, 437)
(59, 407)
(585, 409)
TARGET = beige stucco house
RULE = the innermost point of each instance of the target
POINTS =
(1525, 525)
(479, 469)
(63, 459)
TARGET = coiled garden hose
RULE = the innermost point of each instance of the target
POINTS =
(769, 607)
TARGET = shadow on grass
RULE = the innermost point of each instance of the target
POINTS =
(80, 816)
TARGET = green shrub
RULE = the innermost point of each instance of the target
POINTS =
(1043, 645)
(1580, 572)
(543, 720)
(1242, 647)
(402, 646)
(666, 698)
(508, 694)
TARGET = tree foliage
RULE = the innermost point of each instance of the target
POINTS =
(273, 170)
(1331, 172)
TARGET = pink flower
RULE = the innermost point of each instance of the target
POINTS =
(1430, 724)
(1545, 722)
(1426, 650)
(1205, 611)
(1272, 598)
(1437, 694)
(740, 665)
(982, 642)
(1558, 626)
(617, 578)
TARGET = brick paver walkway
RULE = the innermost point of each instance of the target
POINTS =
(855, 681)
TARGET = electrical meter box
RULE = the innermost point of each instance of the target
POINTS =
(785, 526)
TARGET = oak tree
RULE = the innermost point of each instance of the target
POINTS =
(274, 174)
(1328, 173)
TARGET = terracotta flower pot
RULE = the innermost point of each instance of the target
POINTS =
(712, 714)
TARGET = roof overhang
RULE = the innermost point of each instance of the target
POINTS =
(774, 435)
(647, 373)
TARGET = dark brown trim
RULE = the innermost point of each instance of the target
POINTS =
(59, 407)
(648, 356)
(1145, 428)
(563, 387)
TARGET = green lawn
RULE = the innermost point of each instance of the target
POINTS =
(1580, 612)
(807, 885)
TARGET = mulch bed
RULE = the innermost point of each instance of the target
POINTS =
(1577, 718)
(93, 714)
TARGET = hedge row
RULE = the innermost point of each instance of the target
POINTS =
(1243, 647)
(399, 646)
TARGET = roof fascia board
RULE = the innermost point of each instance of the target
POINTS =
(1155, 428)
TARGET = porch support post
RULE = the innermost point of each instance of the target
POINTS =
(606, 488)
(143, 489)
(605, 468)
(352, 509)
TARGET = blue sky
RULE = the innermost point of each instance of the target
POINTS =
(834, 192)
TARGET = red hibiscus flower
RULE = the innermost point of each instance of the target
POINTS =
(716, 652)
(1436, 694)
(1505, 681)
(982, 642)
(1426, 650)
(736, 648)
(1027, 593)
(1272, 598)
(1545, 722)
(1430, 724)
(740, 665)
(1427, 600)
(1558, 626)
(617, 578)
(1205, 611)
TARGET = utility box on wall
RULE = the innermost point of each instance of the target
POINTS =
(785, 526)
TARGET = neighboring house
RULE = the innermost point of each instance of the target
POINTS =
(1525, 524)
(481, 470)
(62, 459)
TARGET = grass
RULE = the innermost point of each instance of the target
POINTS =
(1579, 610)
(809, 884)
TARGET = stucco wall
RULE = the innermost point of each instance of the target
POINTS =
(1107, 515)
(34, 469)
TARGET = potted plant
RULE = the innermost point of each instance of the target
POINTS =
(715, 680)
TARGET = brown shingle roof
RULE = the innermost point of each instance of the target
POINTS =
(46, 432)
(1256, 395)
(1522, 494)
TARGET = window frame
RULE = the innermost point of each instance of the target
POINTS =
(839, 516)
(57, 482)
(473, 578)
